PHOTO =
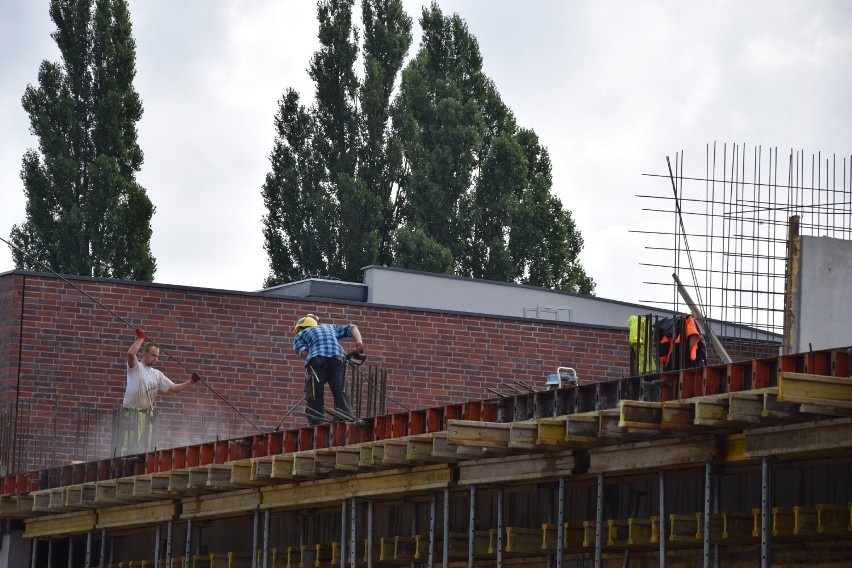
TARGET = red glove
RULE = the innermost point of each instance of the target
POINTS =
(140, 333)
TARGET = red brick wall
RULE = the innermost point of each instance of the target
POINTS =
(72, 373)
(74, 351)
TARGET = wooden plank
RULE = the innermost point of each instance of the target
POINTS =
(282, 467)
(799, 438)
(685, 528)
(680, 417)
(66, 524)
(524, 541)
(220, 504)
(552, 432)
(444, 451)
(106, 493)
(82, 495)
(523, 435)
(652, 455)
(396, 452)
(381, 482)
(136, 515)
(16, 506)
(478, 434)
(583, 428)
(799, 387)
(572, 537)
(640, 414)
(346, 458)
(524, 467)
(420, 448)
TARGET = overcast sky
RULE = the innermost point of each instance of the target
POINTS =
(611, 88)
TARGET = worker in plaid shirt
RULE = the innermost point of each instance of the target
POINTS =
(319, 347)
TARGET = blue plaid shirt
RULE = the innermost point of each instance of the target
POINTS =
(322, 340)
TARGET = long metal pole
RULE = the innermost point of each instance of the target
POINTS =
(708, 510)
(88, 561)
(169, 530)
(34, 553)
(599, 524)
(369, 534)
(500, 528)
(265, 561)
(343, 533)
(471, 531)
(50, 553)
(560, 524)
(188, 544)
(353, 512)
(156, 548)
(446, 543)
(765, 512)
(255, 537)
(662, 519)
(70, 552)
(433, 513)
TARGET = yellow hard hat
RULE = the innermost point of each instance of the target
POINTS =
(304, 322)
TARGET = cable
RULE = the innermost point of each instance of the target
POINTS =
(131, 326)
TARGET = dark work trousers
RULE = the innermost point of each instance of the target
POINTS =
(329, 370)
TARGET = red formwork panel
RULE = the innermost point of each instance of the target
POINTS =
(434, 420)
(761, 373)
(193, 456)
(472, 410)
(258, 445)
(8, 484)
(220, 451)
(151, 462)
(306, 438)
(382, 428)
(399, 425)
(489, 412)
(274, 443)
(417, 422)
(789, 363)
(840, 364)
(165, 460)
(818, 363)
(452, 412)
(322, 435)
(104, 469)
(291, 441)
(735, 381)
(179, 457)
(714, 380)
(338, 434)
(206, 453)
(686, 384)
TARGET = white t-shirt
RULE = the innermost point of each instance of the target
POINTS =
(143, 383)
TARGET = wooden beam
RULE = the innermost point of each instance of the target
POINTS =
(478, 434)
(136, 515)
(67, 524)
(640, 414)
(548, 465)
(16, 506)
(215, 505)
(806, 437)
(652, 455)
(382, 482)
(799, 387)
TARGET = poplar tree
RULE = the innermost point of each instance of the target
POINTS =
(86, 214)
(422, 168)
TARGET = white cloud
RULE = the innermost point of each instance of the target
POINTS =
(611, 88)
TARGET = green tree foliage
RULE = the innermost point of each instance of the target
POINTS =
(86, 214)
(438, 177)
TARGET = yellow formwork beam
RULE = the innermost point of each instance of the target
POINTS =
(800, 387)
(60, 525)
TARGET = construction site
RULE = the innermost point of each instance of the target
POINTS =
(493, 424)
